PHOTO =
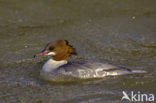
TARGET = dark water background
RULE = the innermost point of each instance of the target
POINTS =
(120, 31)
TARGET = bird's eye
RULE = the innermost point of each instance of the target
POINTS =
(51, 48)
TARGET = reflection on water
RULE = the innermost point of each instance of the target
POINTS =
(121, 32)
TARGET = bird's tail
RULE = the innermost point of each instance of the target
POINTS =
(138, 71)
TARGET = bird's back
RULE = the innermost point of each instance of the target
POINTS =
(91, 69)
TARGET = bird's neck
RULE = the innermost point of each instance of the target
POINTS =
(52, 64)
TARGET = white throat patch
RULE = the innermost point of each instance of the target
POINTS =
(51, 53)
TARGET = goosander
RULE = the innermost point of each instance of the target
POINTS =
(60, 68)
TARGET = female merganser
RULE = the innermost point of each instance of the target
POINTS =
(57, 67)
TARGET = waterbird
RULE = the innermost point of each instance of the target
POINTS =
(58, 66)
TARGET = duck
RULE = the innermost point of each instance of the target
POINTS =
(57, 67)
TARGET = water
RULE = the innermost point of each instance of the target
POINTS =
(121, 32)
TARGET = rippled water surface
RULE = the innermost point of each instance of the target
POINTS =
(121, 32)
